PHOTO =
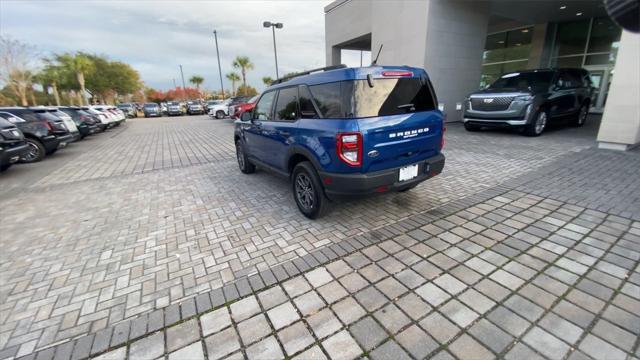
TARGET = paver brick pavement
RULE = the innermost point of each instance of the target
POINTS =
(172, 256)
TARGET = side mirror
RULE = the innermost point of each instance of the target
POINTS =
(246, 116)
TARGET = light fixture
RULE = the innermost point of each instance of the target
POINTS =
(563, 7)
(579, 14)
(525, 30)
(501, 42)
(518, 44)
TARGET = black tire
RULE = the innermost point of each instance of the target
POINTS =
(470, 127)
(308, 192)
(53, 151)
(581, 115)
(36, 151)
(243, 161)
(219, 114)
(4, 167)
(538, 123)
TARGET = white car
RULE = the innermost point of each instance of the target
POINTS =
(104, 117)
(219, 110)
(108, 110)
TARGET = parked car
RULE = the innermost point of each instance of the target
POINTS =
(219, 110)
(106, 121)
(68, 121)
(235, 101)
(344, 131)
(174, 108)
(530, 99)
(87, 124)
(129, 110)
(194, 107)
(13, 146)
(117, 116)
(151, 109)
(240, 109)
(44, 132)
(210, 103)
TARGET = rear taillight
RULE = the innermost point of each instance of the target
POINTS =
(442, 141)
(349, 148)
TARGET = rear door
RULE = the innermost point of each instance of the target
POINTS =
(254, 130)
(399, 121)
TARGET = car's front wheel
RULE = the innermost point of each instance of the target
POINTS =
(581, 116)
(243, 161)
(219, 114)
(538, 124)
(308, 192)
(35, 153)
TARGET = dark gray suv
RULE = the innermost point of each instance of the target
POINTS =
(530, 99)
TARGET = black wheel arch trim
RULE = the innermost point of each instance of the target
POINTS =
(300, 150)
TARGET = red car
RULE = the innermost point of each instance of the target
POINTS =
(240, 109)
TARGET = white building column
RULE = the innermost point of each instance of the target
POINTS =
(620, 126)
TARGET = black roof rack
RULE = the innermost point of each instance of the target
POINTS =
(286, 78)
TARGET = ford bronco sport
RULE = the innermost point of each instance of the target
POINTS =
(530, 100)
(344, 131)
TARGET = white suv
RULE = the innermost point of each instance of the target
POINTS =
(219, 110)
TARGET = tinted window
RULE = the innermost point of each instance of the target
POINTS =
(389, 97)
(287, 104)
(328, 98)
(569, 79)
(262, 110)
(524, 81)
(307, 110)
(150, 106)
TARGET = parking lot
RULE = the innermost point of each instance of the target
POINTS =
(137, 220)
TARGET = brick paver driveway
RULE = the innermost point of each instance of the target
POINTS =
(522, 247)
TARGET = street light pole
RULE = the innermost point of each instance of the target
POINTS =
(184, 88)
(215, 35)
(273, 27)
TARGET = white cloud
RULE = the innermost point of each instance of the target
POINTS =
(156, 36)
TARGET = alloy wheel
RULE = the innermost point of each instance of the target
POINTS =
(33, 152)
(583, 115)
(541, 122)
(304, 191)
(240, 155)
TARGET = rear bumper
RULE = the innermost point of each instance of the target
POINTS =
(380, 181)
(495, 122)
(64, 140)
(12, 154)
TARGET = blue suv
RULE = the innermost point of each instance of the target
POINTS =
(344, 131)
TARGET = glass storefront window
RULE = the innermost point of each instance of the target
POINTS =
(576, 46)
(507, 46)
(571, 38)
(605, 35)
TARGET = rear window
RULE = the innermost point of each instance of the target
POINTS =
(151, 106)
(355, 98)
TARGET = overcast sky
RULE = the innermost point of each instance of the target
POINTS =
(156, 36)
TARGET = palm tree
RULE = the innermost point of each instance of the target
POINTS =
(80, 65)
(243, 63)
(267, 80)
(196, 80)
(233, 77)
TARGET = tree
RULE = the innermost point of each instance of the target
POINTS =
(17, 66)
(196, 80)
(233, 77)
(50, 76)
(267, 80)
(80, 65)
(243, 63)
(247, 90)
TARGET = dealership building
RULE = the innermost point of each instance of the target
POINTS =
(465, 45)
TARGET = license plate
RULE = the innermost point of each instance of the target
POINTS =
(408, 172)
(15, 133)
